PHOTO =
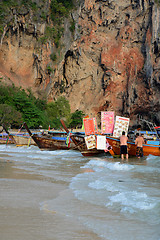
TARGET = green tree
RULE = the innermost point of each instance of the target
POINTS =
(57, 110)
(7, 94)
(34, 111)
(40, 103)
(31, 114)
(76, 118)
(9, 116)
(31, 108)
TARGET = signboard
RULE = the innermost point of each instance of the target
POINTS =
(101, 142)
(107, 122)
(90, 141)
(89, 126)
(121, 125)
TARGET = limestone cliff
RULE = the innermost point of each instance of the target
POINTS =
(111, 63)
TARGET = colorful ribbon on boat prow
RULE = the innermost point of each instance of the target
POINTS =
(68, 140)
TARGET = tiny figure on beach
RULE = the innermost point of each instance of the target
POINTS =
(123, 146)
(139, 142)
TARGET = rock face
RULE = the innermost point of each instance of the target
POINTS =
(20, 53)
(112, 65)
(114, 62)
(26, 47)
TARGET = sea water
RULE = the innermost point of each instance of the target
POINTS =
(63, 195)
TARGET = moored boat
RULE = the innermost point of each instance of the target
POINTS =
(10, 138)
(20, 139)
(6, 139)
(82, 147)
(23, 140)
(150, 147)
(51, 141)
(79, 141)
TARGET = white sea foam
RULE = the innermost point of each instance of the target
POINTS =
(98, 184)
(119, 167)
(115, 166)
(134, 200)
(95, 163)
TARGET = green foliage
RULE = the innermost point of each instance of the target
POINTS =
(72, 27)
(40, 103)
(52, 33)
(1, 30)
(9, 116)
(53, 57)
(3, 14)
(43, 39)
(18, 105)
(62, 87)
(59, 10)
(43, 15)
(8, 3)
(57, 110)
(49, 70)
(76, 118)
(68, 4)
(34, 6)
(30, 108)
(27, 3)
(31, 114)
(7, 94)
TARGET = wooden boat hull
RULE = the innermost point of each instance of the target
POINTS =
(92, 152)
(49, 144)
(23, 140)
(6, 140)
(147, 148)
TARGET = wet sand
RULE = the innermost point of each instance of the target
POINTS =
(24, 214)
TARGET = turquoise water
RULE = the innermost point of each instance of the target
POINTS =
(93, 198)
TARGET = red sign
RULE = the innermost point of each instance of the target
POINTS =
(89, 126)
(107, 122)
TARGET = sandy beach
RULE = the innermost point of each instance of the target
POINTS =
(60, 195)
(24, 213)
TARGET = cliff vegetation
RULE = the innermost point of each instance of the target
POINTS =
(18, 106)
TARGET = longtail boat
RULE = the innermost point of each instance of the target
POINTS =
(79, 140)
(150, 147)
(51, 142)
(23, 140)
(10, 138)
(20, 139)
(6, 139)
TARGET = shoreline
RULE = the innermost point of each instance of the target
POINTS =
(25, 205)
